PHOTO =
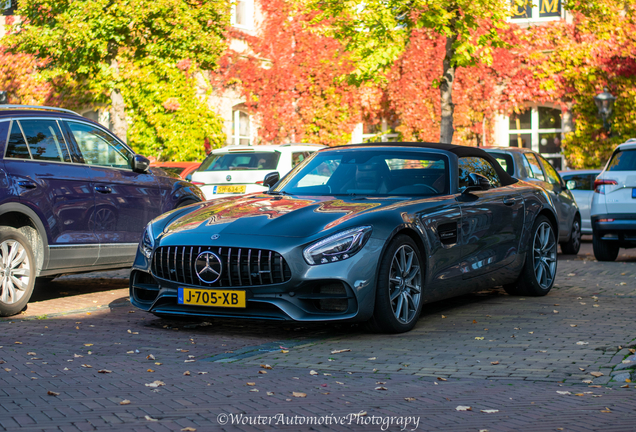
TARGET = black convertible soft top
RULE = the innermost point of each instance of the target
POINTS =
(458, 150)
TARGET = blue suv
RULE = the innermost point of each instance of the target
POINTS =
(73, 198)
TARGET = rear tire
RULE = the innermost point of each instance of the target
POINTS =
(573, 245)
(539, 270)
(398, 293)
(17, 271)
(604, 250)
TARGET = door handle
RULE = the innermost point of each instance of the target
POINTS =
(103, 189)
(27, 184)
(510, 201)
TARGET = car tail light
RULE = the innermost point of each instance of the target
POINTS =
(605, 220)
(196, 183)
(599, 185)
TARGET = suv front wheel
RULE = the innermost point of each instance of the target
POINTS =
(17, 271)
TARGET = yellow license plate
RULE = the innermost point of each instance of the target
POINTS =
(229, 189)
(205, 297)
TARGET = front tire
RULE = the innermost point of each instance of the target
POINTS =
(604, 250)
(539, 270)
(17, 271)
(573, 245)
(398, 296)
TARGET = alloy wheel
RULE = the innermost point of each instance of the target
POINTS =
(15, 271)
(544, 255)
(576, 235)
(405, 284)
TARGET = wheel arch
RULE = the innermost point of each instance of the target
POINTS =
(552, 218)
(23, 218)
(415, 234)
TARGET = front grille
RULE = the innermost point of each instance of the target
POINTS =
(241, 267)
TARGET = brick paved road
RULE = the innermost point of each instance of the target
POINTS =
(535, 346)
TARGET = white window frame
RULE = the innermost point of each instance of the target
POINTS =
(385, 137)
(236, 136)
(249, 11)
(534, 131)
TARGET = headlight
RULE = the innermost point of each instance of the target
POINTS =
(147, 243)
(337, 247)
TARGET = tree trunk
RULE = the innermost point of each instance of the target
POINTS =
(118, 107)
(446, 93)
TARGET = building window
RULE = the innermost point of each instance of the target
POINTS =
(539, 129)
(243, 14)
(385, 131)
(241, 128)
(8, 7)
(536, 11)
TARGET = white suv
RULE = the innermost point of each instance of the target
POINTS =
(614, 204)
(236, 169)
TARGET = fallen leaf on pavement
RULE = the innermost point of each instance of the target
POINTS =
(187, 373)
(409, 399)
(625, 386)
(582, 369)
(86, 366)
(582, 343)
(88, 344)
(572, 325)
(52, 393)
(124, 402)
(188, 429)
(495, 362)
(313, 372)
(202, 373)
(632, 350)
(490, 411)
(284, 351)
(381, 382)
(156, 384)
(150, 418)
(381, 388)
(340, 351)
(479, 338)
(104, 371)
(371, 358)
(270, 393)
(251, 383)
(463, 408)
(266, 366)
(262, 372)
(587, 381)
(563, 392)
(254, 390)
(555, 311)
(150, 370)
(443, 316)
(338, 382)
(31, 353)
(474, 321)
(596, 374)
(606, 410)
(299, 394)
(150, 357)
(441, 379)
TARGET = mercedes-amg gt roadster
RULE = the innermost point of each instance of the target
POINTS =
(367, 232)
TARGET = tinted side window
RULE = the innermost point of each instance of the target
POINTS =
(477, 165)
(17, 146)
(98, 147)
(579, 181)
(4, 131)
(298, 157)
(553, 176)
(623, 161)
(45, 140)
(506, 162)
(535, 167)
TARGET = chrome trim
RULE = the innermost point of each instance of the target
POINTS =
(269, 264)
(260, 278)
(249, 264)
(94, 245)
(239, 267)
(282, 273)
(229, 265)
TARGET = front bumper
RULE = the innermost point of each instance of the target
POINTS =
(621, 228)
(339, 291)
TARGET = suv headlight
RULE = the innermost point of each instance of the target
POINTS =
(147, 243)
(337, 247)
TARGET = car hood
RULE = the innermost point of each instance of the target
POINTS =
(267, 215)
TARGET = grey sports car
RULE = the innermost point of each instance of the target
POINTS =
(367, 232)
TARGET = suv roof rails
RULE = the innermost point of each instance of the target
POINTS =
(300, 144)
(48, 108)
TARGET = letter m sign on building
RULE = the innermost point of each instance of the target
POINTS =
(549, 8)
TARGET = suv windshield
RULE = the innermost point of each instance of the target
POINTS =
(624, 160)
(369, 172)
(241, 161)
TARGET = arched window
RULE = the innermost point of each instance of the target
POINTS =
(539, 129)
(241, 133)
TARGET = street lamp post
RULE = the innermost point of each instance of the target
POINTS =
(605, 105)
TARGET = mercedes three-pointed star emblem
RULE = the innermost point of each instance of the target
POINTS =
(208, 267)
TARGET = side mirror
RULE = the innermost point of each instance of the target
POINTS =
(477, 182)
(140, 164)
(271, 179)
(571, 184)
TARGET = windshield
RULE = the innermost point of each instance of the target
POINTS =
(623, 161)
(241, 161)
(379, 172)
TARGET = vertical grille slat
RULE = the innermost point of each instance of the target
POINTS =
(178, 264)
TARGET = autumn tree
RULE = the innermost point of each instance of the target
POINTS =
(378, 31)
(120, 49)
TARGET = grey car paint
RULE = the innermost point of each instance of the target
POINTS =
(467, 241)
(582, 189)
(564, 200)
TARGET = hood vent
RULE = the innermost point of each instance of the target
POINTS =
(240, 267)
